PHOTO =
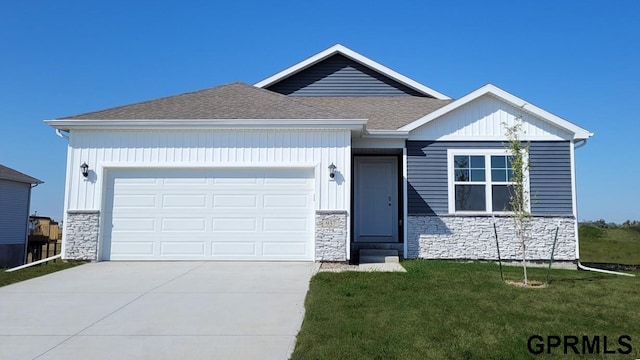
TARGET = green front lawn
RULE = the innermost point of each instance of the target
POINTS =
(7, 278)
(448, 310)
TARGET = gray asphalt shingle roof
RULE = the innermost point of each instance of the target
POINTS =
(7, 173)
(384, 113)
(243, 101)
(231, 101)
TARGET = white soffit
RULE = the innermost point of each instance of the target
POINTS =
(340, 49)
(577, 132)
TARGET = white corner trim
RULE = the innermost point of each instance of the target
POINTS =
(405, 200)
(338, 48)
(77, 124)
(489, 89)
(574, 202)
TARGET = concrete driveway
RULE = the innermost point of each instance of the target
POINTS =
(156, 310)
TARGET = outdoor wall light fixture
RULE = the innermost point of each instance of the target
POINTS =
(85, 169)
(332, 171)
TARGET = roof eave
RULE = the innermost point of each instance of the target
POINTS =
(142, 124)
(385, 134)
(340, 49)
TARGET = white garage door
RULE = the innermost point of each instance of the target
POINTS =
(213, 214)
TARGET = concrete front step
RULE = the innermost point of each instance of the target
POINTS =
(378, 256)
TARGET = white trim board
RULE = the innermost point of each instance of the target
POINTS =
(146, 124)
(343, 50)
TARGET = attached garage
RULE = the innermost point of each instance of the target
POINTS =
(209, 214)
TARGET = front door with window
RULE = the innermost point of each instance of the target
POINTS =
(376, 199)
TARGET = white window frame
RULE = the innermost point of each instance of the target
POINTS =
(487, 153)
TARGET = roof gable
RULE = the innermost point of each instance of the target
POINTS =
(481, 115)
(338, 75)
(364, 65)
(7, 173)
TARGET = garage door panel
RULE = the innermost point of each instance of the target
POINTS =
(144, 224)
(185, 248)
(184, 181)
(233, 248)
(221, 201)
(134, 201)
(133, 179)
(232, 214)
(236, 179)
(183, 224)
(286, 201)
(284, 248)
(184, 201)
(133, 248)
(285, 224)
(231, 224)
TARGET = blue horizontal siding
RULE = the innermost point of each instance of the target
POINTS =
(549, 175)
(340, 76)
(14, 207)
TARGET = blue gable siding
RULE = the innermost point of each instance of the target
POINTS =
(549, 175)
(340, 76)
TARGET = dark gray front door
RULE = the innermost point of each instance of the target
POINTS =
(376, 199)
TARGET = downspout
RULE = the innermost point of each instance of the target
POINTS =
(580, 266)
(65, 135)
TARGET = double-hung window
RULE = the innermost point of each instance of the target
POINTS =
(480, 180)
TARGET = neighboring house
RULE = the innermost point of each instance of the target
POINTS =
(330, 155)
(15, 197)
(44, 235)
(45, 228)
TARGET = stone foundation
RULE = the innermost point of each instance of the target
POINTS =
(472, 237)
(81, 238)
(331, 235)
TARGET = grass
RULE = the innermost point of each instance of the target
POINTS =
(617, 245)
(7, 278)
(449, 310)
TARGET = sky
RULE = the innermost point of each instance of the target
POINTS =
(577, 59)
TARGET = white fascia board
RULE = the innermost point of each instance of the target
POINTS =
(578, 132)
(356, 57)
(385, 134)
(350, 124)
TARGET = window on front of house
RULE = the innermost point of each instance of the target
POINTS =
(480, 181)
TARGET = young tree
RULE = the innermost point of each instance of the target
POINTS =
(519, 196)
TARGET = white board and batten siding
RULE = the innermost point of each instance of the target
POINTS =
(290, 163)
(484, 119)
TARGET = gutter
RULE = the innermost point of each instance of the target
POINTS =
(145, 124)
(582, 143)
(60, 134)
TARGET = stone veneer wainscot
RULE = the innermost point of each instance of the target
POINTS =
(82, 228)
(472, 237)
(331, 235)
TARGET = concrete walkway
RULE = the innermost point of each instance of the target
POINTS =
(156, 310)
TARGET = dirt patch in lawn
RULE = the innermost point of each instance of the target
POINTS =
(531, 284)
